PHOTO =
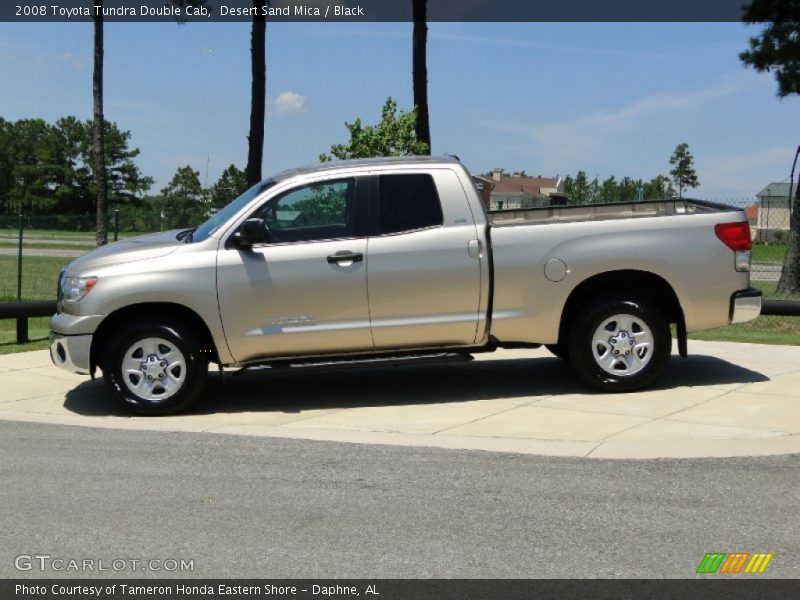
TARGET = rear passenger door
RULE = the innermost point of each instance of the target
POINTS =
(423, 271)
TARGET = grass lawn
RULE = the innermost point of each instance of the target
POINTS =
(47, 245)
(764, 330)
(47, 233)
(39, 276)
(769, 252)
(38, 283)
(38, 333)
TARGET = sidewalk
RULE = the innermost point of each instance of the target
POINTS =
(726, 399)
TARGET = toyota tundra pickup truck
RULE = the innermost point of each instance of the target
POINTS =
(395, 259)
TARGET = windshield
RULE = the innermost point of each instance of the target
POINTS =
(204, 230)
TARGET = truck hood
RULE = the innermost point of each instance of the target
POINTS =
(154, 245)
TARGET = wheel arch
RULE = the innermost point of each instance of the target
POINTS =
(639, 284)
(165, 311)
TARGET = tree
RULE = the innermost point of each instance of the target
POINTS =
(181, 201)
(98, 145)
(627, 189)
(231, 184)
(36, 167)
(581, 191)
(394, 135)
(777, 48)
(420, 71)
(658, 188)
(6, 163)
(609, 190)
(258, 93)
(124, 179)
(682, 171)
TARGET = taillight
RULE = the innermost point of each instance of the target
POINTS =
(735, 236)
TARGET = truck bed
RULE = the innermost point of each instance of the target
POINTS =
(603, 212)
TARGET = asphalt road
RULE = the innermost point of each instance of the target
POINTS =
(263, 507)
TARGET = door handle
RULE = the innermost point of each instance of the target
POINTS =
(345, 256)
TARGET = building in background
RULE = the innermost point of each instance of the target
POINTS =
(509, 192)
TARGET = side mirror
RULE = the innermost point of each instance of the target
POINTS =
(252, 231)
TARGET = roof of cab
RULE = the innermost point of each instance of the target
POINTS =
(364, 162)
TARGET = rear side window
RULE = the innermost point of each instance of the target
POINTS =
(408, 202)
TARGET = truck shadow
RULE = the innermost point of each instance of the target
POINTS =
(300, 390)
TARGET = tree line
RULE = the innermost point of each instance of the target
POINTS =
(49, 168)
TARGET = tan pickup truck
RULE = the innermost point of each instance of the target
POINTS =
(382, 260)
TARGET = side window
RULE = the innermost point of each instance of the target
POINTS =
(408, 202)
(319, 211)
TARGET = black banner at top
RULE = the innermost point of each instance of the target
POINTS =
(222, 11)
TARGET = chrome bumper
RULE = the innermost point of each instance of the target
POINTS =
(71, 352)
(745, 305)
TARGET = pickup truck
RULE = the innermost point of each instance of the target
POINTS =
(395, 259)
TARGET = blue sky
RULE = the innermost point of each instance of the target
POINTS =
(608, 98)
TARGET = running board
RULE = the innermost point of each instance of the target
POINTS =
(353, 363)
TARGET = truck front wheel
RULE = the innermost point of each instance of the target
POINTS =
(620, 345)
(155, 368)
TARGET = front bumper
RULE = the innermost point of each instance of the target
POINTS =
(745, 305)
(71, 352)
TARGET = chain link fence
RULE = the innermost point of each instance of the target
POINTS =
(769, 221)
(33, 249)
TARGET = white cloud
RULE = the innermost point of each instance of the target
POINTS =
(290, 103)
(594, 135)
(75, 62)
(745, 173)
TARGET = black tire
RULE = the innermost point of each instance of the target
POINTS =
(174, 386)
(559, 350)
(596, 363)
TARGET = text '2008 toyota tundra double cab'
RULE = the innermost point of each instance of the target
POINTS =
(395, 259)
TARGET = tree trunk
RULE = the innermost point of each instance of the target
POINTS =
(789, 282)
(258, 95)
(420, 71)
(98, 133)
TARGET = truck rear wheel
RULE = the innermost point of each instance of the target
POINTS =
(620, 345)
(155, 368)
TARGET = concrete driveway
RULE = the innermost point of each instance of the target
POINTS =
(726, 399)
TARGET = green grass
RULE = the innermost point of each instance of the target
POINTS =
(38, 283)
(38, 333)
(11, 235)
(39, 275)
(763, 330)
(47, 245)
(769, 252)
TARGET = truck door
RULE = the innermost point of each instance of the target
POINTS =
(305, 290)
(424, 261)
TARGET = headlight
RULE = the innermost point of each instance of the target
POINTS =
(74, 289)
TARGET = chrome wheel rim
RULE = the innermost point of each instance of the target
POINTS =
(622, 345)
(153, 369)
